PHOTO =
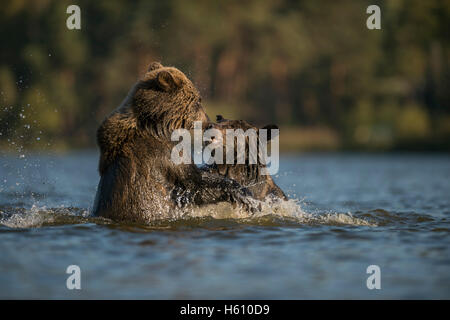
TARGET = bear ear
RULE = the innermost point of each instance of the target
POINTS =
(219, 118)
(269, 128)
(154, 65)
(166, 81)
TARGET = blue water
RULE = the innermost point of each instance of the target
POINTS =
(350, 211)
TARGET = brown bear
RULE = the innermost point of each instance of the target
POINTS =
(247, 175)
(138, 180)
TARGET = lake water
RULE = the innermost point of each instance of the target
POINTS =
(349, 211)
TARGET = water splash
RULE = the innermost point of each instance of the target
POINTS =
(290, 211)
(273, 212)
(36, 217)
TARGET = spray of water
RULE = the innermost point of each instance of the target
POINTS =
(272, 212)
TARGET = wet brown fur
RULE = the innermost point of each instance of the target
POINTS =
(138, 180)
(248, 175)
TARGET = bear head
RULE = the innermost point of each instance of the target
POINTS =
(165, 100)
(223, 125)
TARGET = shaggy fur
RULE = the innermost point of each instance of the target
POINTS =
(138, 180)
(248, 175)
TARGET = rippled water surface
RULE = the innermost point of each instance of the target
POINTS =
(348, 211)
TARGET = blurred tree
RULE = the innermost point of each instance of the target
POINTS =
(296, 63)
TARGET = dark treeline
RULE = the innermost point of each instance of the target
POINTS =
(312, 67)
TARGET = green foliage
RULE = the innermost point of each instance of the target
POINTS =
(413, 122)
(302, 64)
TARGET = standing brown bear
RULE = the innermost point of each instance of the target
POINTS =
(138, 180)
